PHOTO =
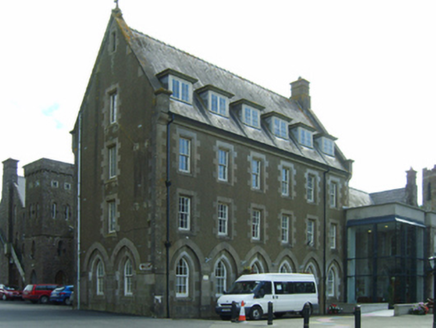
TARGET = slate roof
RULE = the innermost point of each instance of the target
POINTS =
(389, 196)
(359, 198)
(155, 57)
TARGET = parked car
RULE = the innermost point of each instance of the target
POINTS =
(10, 293)
(38, 292)
(62, 295)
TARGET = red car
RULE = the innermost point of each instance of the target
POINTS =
(38, 292)
(10, 293)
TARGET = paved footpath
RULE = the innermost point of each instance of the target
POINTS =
(20, 314)
(381, 319)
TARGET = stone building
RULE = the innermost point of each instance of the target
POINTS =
(37, 223)
(189, 175)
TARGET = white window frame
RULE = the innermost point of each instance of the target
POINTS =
(333, 191)
(256, 218)
(328, 146)
(182, 278)
(280, 128)
(311, 232)
(111, 215)
(128, 278)
(99, 273)
(220, 278)
(251, 116)
(184, 155)
(333, 235)
(218, 104)
(113, 107)
(223, 164)
(331, 283)
(256, 168)
(285, 228)
(184, 213)
(112, 161)
(305, 137)
(285, 179)
(182, 89)
(311, 187)
(223, 219)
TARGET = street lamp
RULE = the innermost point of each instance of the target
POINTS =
(432, 261)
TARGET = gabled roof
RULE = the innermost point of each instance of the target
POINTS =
(156, 57)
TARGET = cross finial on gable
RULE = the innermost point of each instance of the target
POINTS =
(116, 2)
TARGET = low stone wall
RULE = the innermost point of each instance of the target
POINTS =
(401, 309)
(364, 308)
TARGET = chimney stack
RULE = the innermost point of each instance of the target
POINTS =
(300, 92)
(10, 175)
(411, 188)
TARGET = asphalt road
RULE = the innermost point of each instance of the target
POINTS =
(22, 314)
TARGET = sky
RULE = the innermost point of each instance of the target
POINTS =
(371, 67)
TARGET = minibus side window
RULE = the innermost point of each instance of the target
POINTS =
(310, 287)
(279, 288)
(265, 288)
(290, 288)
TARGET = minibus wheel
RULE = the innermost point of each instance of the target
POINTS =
(256, 313)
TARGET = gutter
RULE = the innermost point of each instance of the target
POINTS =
(167, 241)
(79, 153)
(324, 260)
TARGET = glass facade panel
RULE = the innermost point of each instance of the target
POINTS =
(386, 262)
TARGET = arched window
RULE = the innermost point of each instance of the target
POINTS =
(128, 274)
(221, 278)
(182, 278)
(331, 283)
(100, 278)
(285, 268)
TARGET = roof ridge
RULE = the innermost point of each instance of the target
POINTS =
(209, 63)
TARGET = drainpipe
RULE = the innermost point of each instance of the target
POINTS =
(79, 153)
(324, 260)
(167, 241)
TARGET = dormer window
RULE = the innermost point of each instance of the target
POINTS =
(278, 124)
(328, 146)
(303, 133)
(181, 89)
(280, 127)
(179, 83)
(248, 112)
(218, 104)
(216, 100)
(326, 143)
(250, 116)
(305, 137)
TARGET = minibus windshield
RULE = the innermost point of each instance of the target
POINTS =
(243, 287)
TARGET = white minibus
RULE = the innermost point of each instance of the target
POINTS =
(288, 292)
